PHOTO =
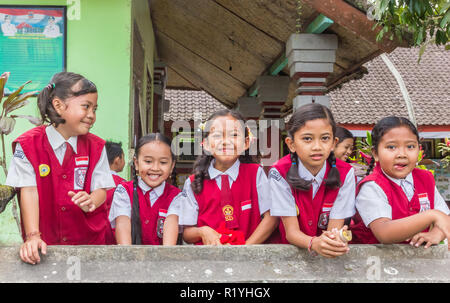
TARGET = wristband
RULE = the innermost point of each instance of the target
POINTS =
(312, 252)
(33, 233)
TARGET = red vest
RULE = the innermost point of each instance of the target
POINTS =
(423, 199)
(110, 232)
(313, 214)
(61, 222)
(152, 217)
(245, 206)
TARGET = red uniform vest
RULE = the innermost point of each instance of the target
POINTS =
(423, 199)
(313, 214)
(152, 217)
(61, 222)
(245, 206)
(110, 232)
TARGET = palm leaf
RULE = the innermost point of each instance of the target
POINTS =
(14, 95)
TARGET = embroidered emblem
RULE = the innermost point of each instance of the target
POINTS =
(79, 176)
(160, 224)
(228, 212)
(246, 205)
(44, 170)
(323, 220)
(19, 154)
(424, 202)
(274, 174)
(298, 211)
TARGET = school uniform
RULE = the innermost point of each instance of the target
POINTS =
(153, 206)
(43, 158)
(380, 196)
(239, 197)
(110, 238)
(315, 206)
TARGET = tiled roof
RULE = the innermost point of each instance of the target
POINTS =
(377, 94)
(185, 105)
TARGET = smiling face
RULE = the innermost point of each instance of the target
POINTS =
(344, 149)
(397, 152)
(226, 141)
(79, 113)
(154, 163)
(313, 143)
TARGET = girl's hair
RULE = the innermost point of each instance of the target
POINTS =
(382, 127)
(62, 86)
(113, 150)
(136, 228)
(343, 133)
(302, 115)
(203, 161)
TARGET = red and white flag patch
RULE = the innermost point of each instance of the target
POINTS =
(162, 212)
(246, 204)
(79, 161)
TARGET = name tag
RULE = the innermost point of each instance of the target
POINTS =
(424, 202)
(82, 161)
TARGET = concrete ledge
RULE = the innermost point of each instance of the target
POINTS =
(258, 263)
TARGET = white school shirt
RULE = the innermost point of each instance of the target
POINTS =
(372, 202)
(185, 206)
(121, 203)
(283, 202)
(21, 173)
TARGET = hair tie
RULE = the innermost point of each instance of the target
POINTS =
(333, 165)
(51, 86)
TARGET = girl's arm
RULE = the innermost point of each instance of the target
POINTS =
(123, 230)
(170, 233)
(29, 209)
(206, 234)
(335, 223)
(264, 230)
(323, 245)
(389, 231)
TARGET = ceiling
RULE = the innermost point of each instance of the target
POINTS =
(222, 46)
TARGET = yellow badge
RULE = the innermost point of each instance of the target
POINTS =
(228, 212)
(44, 170)
(296, 207)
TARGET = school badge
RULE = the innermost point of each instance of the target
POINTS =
(424, 202)
(44, 170)
(79, 177)
(228, 212)
(160, 224)
(324, 216)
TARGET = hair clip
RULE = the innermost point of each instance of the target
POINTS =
(202, 126)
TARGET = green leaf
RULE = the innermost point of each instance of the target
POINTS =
(14, 95)
(421, 51)
(19, 102)
(2, 87)
(445, 7)
(447, 47)
(445, 19)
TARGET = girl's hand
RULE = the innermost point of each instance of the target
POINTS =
(329, 246)
(442, 221)
(430, 238)
(29, 251)
(83, 200)
(210, 236)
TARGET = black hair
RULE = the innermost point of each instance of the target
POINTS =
(203, 161)
(382, 127)
(299, 118)
(342, 134)
(62, 86)
(113, 150)
(136, 227)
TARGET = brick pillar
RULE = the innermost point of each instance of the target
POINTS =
(311, 59)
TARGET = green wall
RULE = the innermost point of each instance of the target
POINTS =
(98, 47)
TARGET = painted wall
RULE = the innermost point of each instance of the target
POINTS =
(98, 47)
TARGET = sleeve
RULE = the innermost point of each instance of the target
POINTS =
(372, 203)
(101, 176)
(188, 206)
(21, 173)
(344, 206)
(175, 205)
(121, 205)
(283, 202)
(263, 189)
(439, 202)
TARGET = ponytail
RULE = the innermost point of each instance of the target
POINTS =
(371, 165)
(201, 172)
(334, 178)
(136, 227)
(292, 176)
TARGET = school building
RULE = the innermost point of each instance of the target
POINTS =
(142, 53)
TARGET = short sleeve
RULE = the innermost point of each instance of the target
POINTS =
(283, 202)
(263, 189)
(21, 173)
(101, 176)
(344, 205)
(120, 206)
(372, 203)
(439, 202)
(188, 211)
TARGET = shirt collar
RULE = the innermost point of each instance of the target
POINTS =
(113, 172)
(145, 188)
(305, 174)
(56, 139)
(233, 171)
(408, 179)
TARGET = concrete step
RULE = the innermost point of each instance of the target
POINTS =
(257, 263)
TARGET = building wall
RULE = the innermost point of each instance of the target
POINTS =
(98, 47)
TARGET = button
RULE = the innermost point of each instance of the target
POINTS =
(63, 208)
(64, 176)
(146, 221)
(309, 222)
(64, 239)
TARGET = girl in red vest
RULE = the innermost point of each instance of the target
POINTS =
(226, 200)
(62, 170)
(116, 162)
(140, 206)
(398, 202)
(312, 191)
